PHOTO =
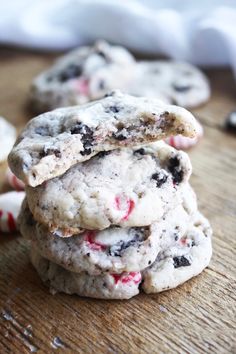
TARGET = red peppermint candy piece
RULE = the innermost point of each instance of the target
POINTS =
(92, 244)
(10, 204)
(181, 142)
(183, 241)
(122, 202)
(14, 182)
(127, 277)
(82, 86)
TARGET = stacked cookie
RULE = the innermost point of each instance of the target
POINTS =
(109, 209)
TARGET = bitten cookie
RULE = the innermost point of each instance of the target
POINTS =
(123, 187)
(83, 75)
(7, 138)
(106, 286)
(53, 142)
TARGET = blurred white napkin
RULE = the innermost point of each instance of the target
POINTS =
(202, 32)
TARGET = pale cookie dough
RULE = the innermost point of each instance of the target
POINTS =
(183, 260)
(177, 82)
(107, 286)
(115, 249)
(53, 142)
(123, 187)
(7, 138)
(83, 75)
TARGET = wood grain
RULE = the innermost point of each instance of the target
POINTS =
(198, 317)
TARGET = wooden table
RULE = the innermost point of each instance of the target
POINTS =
(198, 317)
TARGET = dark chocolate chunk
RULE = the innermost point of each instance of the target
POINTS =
(70, 72)
(82, 129)
(104, 56)
(113, 109)
(103, 153)
(87, 151)
(175, 169)
(101, 54)
(181, 261)
(50, 151)
(43, 131)
(230, 122)
(117, 249)
(160, 178)
(176, 236)
(119, 136)
(87, 137)
(140, 151)
(110, 94)
(181, 88)
(101, 85)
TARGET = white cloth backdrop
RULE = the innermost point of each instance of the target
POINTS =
(200, 31)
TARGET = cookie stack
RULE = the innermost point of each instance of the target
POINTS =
(109, 209)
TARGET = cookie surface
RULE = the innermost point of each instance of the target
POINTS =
(7, 138)
(181, 261)
(107, 286)
(83, 75)
(53, 142)
(175, 82)
(115, 249)
(123, 187)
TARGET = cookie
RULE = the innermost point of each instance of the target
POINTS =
(53, 142)
(123, 187)
(181, 261)
(178, 82)
(186, 258)
(10, 205)
(83, 75)
(114, 250)
(107, 286)
(7, 138)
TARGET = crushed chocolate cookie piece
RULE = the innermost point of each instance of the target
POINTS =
(87, 137)
(113, 109)
(140, 151)
(117, 249)
(181, 261)
(160, 178)
(181, 88)
(119, 136)
(71, 72)
(51, 151)
(175, 169)
(103, 153)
